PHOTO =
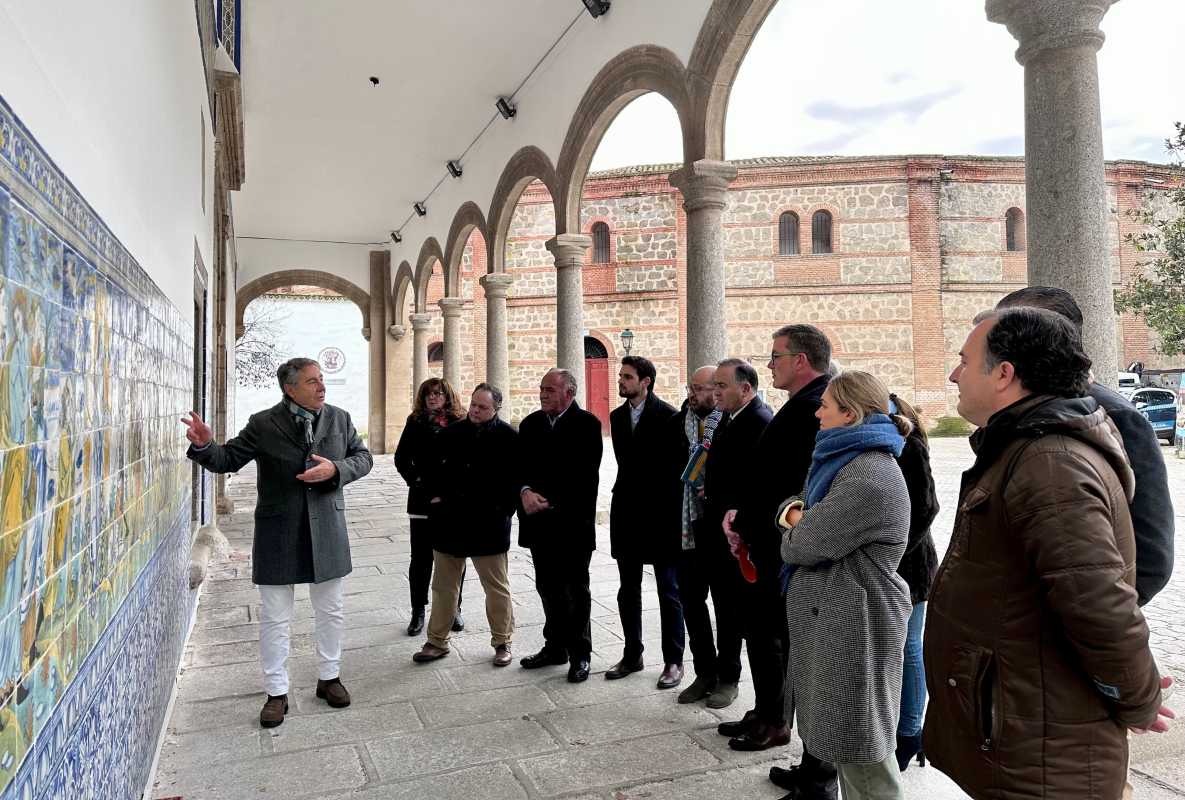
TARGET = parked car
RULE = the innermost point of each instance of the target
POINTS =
(1128, 383)
(1159, 406)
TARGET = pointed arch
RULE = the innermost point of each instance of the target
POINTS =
(429, 252)
(629, 75)
(404, 280)
(467, 218)
(528, 164)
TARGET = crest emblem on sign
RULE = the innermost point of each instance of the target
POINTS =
(332, 359)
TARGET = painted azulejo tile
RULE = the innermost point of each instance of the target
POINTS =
(95, 367)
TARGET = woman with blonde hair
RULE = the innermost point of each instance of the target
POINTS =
(436, 407)
(846, 606)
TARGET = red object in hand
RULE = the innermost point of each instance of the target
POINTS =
(748, 569)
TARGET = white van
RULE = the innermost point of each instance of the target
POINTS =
(1128, 383)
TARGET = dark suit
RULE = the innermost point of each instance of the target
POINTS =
(779, 465)
(729, 473)
(300, 528)
(418, 451)
(638, 531)
(562, 462)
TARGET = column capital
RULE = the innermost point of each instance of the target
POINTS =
(451, 306)
(366, 334)
(420, 322)
(704, 183)
(397, 332)
(496, 283)
(568, 249)
(1042, 25)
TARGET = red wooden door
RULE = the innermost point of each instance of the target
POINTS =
(596, 384)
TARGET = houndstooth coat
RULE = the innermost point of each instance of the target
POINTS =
(847, 610)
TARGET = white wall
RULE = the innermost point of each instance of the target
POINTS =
(310, 327)
(114, 92)
(258, 257)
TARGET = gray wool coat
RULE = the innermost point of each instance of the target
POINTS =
(847, 609)
(285, 504)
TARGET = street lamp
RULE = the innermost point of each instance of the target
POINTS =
(627, 340)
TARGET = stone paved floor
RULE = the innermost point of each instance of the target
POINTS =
(460, 728)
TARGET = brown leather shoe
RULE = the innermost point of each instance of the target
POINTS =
(332, 692)
(671, 677)
(761, 737)
(502, 655)
(429, 652)
(273, 711)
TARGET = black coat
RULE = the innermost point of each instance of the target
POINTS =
(780, 465)
(478, 486)
(675, 450)
(920, 560)
(1152, 507)
(636, 530)
(416, 456)
(563, 464)
(731, 470)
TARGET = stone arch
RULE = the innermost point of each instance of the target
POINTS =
(723, 41)
(430, 252)
(528, 164)
(404, 280)
(468, 218)
(629, 75)
(301, 277)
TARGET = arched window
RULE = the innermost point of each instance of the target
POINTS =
(594, 349)
(821, 232)
(788, 234)
(436, 352)
(600, 237)
(1014, 230)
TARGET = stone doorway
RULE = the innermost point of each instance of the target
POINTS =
(596, 380)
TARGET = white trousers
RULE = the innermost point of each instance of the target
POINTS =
(275, 616)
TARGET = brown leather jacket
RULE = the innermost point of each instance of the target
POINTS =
(1036, 653)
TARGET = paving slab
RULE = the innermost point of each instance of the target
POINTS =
(641, 716)
(446, 749)
(356, 723)
(485, 706)
(294, 776)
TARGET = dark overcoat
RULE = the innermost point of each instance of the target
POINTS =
(416, 456)
(636, 528)
(290, 512)
(562, 463)
(730, 472)
(477, 483)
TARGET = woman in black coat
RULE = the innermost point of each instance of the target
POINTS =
(436, 407)
(917, 567)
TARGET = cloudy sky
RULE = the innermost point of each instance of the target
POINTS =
(867, 77)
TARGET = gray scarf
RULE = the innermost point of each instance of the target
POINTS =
(693, 506)
(304, 418)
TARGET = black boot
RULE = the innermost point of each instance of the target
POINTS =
(417, 621)
(907, 748)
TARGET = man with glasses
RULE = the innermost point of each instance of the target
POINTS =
(799, 360)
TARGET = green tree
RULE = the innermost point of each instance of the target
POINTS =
(1157, 293)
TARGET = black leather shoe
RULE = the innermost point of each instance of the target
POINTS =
(671, 676)
(416, 626)
(578, 672)
(544, 658)
(623, 668)
(738, 728)
(802, 786)
(458, 622)
(907, 748)
(761, 737)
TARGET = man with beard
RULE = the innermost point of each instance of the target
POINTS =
(636, 529)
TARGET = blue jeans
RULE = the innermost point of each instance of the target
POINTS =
(913, 676)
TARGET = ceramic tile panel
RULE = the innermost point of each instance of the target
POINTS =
(95, 491)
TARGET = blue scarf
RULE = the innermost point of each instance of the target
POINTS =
(836, 447)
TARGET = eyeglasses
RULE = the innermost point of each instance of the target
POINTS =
(435, 393)
(774, 356)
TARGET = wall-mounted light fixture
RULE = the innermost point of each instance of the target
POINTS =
(627, 340)
(396, 237)
(596, 7)
(505, 108)
(421, 208)
(454, 168)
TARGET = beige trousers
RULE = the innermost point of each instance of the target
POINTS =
(446, 594)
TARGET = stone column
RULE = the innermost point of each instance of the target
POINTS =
(569, 250)
(704, 186)
(380, 282)
(399, 390)
(419, 346)
(451, 308)
(1065, 186)
(497, 352)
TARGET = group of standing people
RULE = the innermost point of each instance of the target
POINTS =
(809, 529)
